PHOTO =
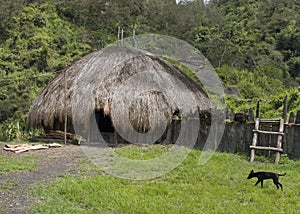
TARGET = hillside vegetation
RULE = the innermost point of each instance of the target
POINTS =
(254, 45)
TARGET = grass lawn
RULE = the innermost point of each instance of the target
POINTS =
(219, 186)
(12, 164)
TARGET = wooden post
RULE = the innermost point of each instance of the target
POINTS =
(115, 138)
(297, 117)
(226, 113)
(292, 118)
(119, 33)
(284, 114)
(254, 140)
(279, 140)
(65, 107)
(133, 38)
(122, 37)
(257, 109)
(251, 115)
(232, 115)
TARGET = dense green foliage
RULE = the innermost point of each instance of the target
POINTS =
(40, 43)
(264, 84)
(254, 45)
(219, 186)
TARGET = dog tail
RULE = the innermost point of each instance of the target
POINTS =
(282, 174)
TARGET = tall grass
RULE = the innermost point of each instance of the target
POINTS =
(220, 186)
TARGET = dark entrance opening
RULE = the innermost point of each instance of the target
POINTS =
(104, 122)
(101, 127)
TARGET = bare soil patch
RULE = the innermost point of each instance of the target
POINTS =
(52, 163)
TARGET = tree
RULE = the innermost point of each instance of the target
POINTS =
(8, 9)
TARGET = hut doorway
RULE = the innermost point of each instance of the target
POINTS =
(103, 127)
(104, 122)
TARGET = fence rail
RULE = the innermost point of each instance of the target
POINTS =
(238, 135)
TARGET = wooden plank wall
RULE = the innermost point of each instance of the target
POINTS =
(238, 136)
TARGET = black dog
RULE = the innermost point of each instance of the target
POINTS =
(266, 175)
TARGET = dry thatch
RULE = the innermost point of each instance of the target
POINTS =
(114, 79)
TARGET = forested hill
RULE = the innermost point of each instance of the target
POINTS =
(254, 45)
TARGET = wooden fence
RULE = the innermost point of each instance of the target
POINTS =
(238, 134)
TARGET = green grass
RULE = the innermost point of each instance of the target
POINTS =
(142, 152)
(8, 186)
(13, 164)
(220, 186)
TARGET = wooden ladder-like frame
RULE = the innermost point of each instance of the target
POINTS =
(280, 134)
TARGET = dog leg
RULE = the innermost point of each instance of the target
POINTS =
(280, 185)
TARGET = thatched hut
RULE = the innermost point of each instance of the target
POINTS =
(105, 85)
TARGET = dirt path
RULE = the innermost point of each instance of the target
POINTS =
(52, 163)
